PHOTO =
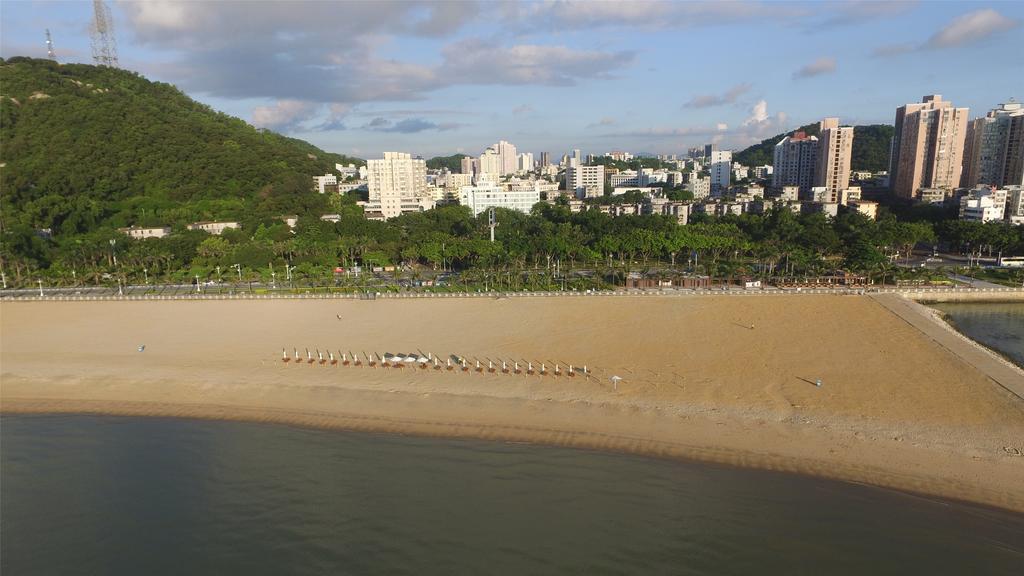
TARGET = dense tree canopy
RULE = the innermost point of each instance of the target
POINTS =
(453, 163)
(870, 147)
(87, 146)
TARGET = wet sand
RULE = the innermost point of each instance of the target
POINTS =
(897, 408)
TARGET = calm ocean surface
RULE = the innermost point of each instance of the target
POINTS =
(132, 496)
(997, 326)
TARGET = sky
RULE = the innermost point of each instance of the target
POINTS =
(437, 78)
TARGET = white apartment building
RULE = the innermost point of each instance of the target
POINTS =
(485, 196)
(994, 147)
(761, 171)
(397, 183)
(794, 160)
(584, 181)
(1015, 202)
(721, 169)
(624, 178)
(701, 187)
(983, 204)
(490, 165)
(457, 181)
(322, 182)
(348, 171)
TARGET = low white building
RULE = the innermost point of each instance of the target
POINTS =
(485, 196)
(143, 233)
(320, 183)
(215, 228)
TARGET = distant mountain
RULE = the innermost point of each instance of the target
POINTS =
(870, 147)
(453, 163)
(87, 147)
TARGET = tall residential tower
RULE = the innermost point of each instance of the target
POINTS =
(835, 147)
(927, 147)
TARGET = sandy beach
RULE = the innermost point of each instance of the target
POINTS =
(721, 379)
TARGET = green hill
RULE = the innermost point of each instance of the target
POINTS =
(870, 147)
(86, 147)
(453, 163)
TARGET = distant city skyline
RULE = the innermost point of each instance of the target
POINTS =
(361, 78)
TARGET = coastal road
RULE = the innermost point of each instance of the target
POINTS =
(917, 315)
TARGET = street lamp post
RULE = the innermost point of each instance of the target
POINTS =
(146, 273)
(198, 289)
(113, 253)
(40, 288)
(238, 267)
(273, 279)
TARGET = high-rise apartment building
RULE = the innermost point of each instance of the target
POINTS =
(509, 157)
(721, 169)
(491, 164)
(525, 162)
(994, 148)
(927, 147)
(794, 159)
(545, 159)
(577, 158)
(470, 165)
(835, 147)
(397, 183)
(584, 181)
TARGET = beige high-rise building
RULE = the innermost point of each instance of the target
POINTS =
(927, 147)
(835, 147)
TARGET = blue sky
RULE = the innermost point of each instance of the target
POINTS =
(436, 78)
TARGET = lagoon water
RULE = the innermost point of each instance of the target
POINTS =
(997, 326)
(109, 495)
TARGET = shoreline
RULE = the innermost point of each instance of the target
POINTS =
(877, 423)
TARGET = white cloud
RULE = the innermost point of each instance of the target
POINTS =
(484, 62)
(758, 114)
(285, 115)
(721, 126)
(728, 97)
(963, 30)
(823, 65)
(971, 27)
(327, 53)
(646, 14)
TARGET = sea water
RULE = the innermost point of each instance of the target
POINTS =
(997, 326)
(130, 496)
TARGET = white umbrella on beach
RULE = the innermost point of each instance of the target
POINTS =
(615, 382)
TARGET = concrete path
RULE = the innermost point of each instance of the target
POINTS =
(974, 283)
(995, 367)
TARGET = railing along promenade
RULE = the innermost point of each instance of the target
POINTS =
(148, 294)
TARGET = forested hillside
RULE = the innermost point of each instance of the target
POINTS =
(85, 147)
(453, 163)
(870, 147)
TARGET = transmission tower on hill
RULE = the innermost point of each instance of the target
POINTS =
(49, 47)
(104, 46)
